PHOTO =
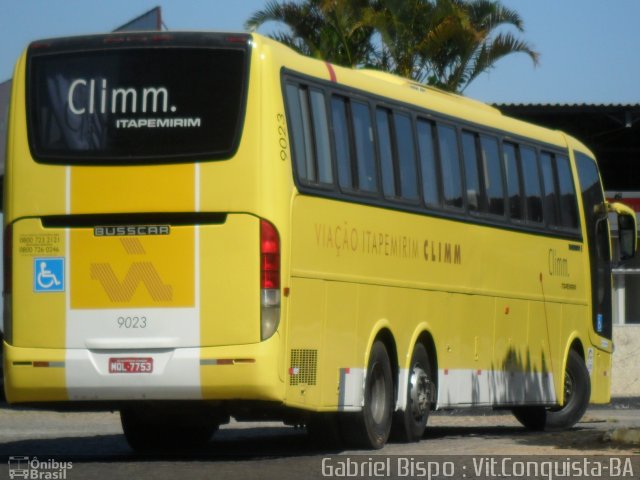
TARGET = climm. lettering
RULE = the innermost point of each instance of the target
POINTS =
(83, 97)
(442, 252)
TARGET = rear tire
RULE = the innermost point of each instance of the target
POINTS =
(409, 424)
(370, 428)
(577, 392)
(164, 430)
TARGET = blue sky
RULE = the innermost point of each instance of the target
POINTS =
(588, 47)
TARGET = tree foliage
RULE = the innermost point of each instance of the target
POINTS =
(447, 43)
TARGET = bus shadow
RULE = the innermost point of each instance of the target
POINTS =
(227, 445)
(262, 443)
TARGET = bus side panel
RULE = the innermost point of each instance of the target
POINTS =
(599, 364)
(340, 348)
(305, 352)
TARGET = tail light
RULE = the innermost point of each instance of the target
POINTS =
(269, 279)
(8, 281)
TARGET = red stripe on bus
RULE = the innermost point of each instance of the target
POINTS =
(332, 72)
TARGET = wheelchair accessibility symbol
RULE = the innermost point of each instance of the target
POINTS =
(48, 274)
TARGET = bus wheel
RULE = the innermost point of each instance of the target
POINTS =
(409, 425)
(577, 392)
(152, 430)
(371, 427)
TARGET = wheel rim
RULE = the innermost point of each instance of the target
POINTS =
(419, 392)
(378, 394)
(568, 387)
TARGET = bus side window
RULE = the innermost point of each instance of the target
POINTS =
(533, 193)
(310, 134)
(321, 134)
(491, 174)
(342, 142)
(365, 151)
(406, 156)
(450, 166)
(428, 163)
(568, 197)
(301, 132)
(470, 156)
(550, 191)
(385, 147)
(513, 181)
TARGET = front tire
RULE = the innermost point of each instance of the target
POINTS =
(370, 428)
(577, 392)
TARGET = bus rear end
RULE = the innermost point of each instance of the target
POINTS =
(138, 262)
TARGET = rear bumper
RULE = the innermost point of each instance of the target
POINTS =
(239, 372)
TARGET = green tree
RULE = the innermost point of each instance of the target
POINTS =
(446, 43)
(331, 30)
(472, 43)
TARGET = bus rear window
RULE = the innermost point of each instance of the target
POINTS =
(136, 105)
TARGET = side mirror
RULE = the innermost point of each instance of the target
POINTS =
(627, 230)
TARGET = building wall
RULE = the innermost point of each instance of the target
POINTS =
(625, 380)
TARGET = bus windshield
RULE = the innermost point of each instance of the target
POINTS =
(135, 104)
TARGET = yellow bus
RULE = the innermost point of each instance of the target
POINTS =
(206, 225)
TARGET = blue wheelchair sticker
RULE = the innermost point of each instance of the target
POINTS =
(599, 323)
(48, 274)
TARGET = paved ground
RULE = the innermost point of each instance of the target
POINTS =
(94, 443)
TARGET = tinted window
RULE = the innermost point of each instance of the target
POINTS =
(301, 151)
(386, 153)
(470, 155)
(492, 175)
(341, 136)
(531, 184)
(450, 166)
(406, 156)
(513, 181)
(597, 227)
(321, 132)
(135, 104)
(309, 169)
(568, 201)
(428, 163)
(550, 194)
(363, 135)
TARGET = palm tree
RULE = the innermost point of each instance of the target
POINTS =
(446, 43)
(454, 57)
(328, 29)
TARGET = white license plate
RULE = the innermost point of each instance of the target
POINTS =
(131, 365)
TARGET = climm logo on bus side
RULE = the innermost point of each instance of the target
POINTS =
(94, 96)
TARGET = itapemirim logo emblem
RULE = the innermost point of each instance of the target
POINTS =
(32, 468)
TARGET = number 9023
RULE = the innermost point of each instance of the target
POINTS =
(132, 322)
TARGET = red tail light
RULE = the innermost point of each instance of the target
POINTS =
(269, 279)
(269, 256)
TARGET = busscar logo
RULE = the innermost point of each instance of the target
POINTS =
(95, 96)
(131, 230)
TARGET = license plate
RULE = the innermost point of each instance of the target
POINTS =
(131, 365)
